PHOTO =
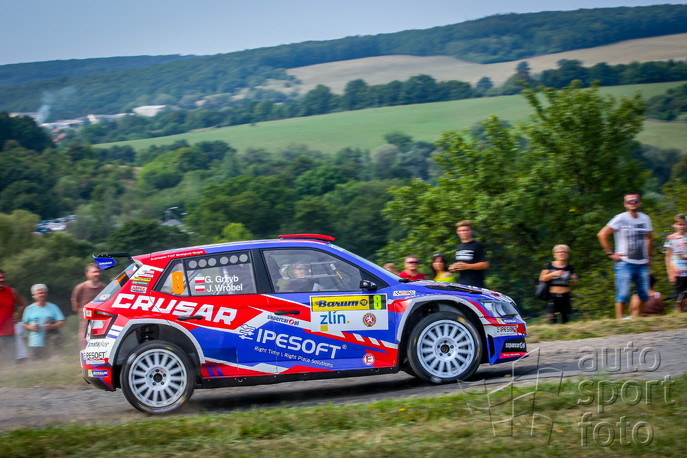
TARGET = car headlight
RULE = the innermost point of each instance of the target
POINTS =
(501, 309)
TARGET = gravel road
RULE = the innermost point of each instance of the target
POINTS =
(652, 355)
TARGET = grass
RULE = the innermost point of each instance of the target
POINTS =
(64, 370)
(365, 129)
(434, 426)
(438, 426)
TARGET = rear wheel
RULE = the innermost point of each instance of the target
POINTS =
(157, 377)
(444, 347)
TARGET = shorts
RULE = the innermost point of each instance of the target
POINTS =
(625, 275)
(680, 286)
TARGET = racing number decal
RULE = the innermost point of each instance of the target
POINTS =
(178, 285)
(377, 302)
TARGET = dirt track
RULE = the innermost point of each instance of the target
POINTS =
(654, 355)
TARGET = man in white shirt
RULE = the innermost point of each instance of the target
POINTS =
(632, 255)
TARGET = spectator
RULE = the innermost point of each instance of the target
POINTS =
(40, 319)
(655, 304)
(676, 259)
(11, 307)
(410, 271)
(440, 269)
(82, 294)
(471, 257)
(391, 267)
(632, 233)
(560, 276)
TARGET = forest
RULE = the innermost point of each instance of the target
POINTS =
(557, 178)
(184, 81)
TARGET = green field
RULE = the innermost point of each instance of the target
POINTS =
(366, 128)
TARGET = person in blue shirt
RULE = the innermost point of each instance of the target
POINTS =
(41, 319)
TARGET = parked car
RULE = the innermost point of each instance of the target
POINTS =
(294, 308)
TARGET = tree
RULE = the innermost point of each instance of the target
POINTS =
(143, 236)
(484, 84)
(559, 185)
(355, 95)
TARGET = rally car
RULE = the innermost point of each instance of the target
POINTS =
(294, 308)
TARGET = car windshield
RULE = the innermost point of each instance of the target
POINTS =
(372, 266)
(116, 284)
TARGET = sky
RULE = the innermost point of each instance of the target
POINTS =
(41, 30)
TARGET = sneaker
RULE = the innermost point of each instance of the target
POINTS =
(627, 318)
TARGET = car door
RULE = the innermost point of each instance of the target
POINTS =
(327, 321)
(222, 311)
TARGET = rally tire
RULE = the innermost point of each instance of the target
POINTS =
(444, 347)
(157, 377)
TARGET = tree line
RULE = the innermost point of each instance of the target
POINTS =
(557, 178)
(183, 82)
(360, 95)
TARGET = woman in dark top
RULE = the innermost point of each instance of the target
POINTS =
(560, 276)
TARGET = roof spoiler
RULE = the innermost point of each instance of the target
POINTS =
(327, 238)
(107, 261)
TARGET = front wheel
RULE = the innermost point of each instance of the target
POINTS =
(444, 347)
(157, 377)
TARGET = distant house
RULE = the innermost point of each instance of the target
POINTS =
(149, 110)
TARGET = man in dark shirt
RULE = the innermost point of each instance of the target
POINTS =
(471, 257)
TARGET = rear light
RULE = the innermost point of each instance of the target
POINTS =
(99, 323)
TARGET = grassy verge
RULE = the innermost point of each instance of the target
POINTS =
(63, 370)
(565, 425)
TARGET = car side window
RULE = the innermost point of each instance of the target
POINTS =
(174, 281)
(221, 274)
(300, 271)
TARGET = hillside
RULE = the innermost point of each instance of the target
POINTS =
(424, 122)
(189, 82)
(383, 69)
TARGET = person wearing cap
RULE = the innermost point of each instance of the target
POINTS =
(632, 232)
(39, 319)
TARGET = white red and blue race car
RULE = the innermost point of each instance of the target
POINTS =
(294, 308)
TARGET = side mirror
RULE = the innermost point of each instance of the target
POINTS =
(367, 285)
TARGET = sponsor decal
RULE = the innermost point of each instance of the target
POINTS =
(216, 314)
(297, 344)
(404, 293)
(515, 345)
(98, 372)
(284, 319)
(246, 331)
(138, 289)
(357, 302)
(182, 254)
(506, 330)
(94, 355)
(369, 319)
(369, 359)
(140, 278)
(354, 320)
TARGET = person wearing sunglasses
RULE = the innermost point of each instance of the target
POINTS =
(632, 233)
(410, 270)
